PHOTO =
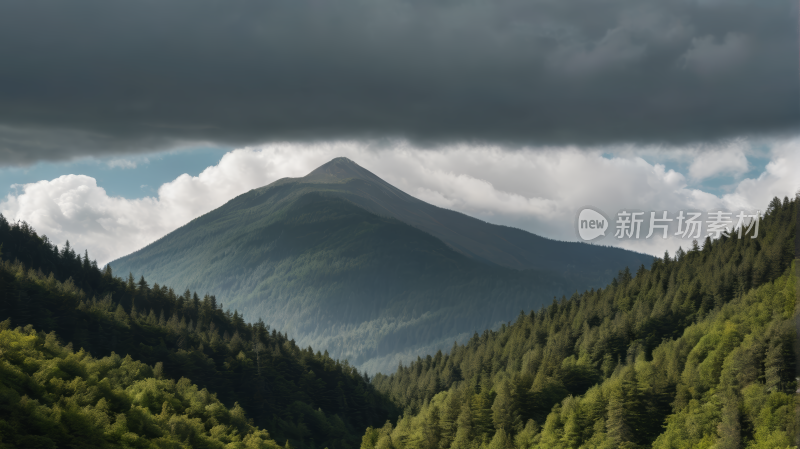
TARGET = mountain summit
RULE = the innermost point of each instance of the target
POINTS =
(474, 238)
(341, 169)
(347, 263)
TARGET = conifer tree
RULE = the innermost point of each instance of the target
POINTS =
(619, 432)
(774, 365)
(501, 441)
(729, 429)
(464, 432)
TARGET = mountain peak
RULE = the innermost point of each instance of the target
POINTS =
(340, 169)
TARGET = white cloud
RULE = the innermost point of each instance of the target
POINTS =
(780, 178)
(731, 160)
(74, 208)
(538, 190)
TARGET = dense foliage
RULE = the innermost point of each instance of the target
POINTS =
(698, 351)
(51, 396)
(310, 260)
(305, 397)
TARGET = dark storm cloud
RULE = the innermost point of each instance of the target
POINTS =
(83, 77)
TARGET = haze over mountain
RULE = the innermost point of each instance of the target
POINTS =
(347, 263)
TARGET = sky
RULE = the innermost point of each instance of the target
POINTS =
(120, 122)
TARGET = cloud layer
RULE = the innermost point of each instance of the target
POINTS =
(91, 76)
(537, 190)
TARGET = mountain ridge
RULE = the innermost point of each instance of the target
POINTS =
(326, 258)
(467, 235)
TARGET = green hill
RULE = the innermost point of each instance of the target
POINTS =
(347, 263)
(301, 397)
(700, 351)
(54, 397)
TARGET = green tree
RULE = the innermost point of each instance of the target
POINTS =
(616, 424)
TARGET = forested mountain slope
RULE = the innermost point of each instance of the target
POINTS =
(332, 259)
(296, 394)
(52, 396)
(698, 351)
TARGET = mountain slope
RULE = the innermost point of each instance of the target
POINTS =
(698, 351)
(299, 396)
(53, 396)
(315, 256)
(501, 245)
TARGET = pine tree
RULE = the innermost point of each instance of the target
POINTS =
(449, 416)
(464, 433)
(774, 205)
(729, 429)
(120, 314)
(504, 413)
(143, 288)
(501, 441)
(572, 431)
(528, 436)
(617, 427)
(774, 365)
(431, 431)
(130, 286)
(482, 411)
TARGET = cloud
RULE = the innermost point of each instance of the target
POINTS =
(708, 164)
(539, 190)
(780, 178)
(710, 56)
(82, 78)
(74, 208)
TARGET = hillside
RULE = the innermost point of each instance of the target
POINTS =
(53, 397)
(300, 396)
(349, 264)
(699, 351)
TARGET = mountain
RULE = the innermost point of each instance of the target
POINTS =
(701, 350)
(347, 263)
(501, 245)
(102, 355)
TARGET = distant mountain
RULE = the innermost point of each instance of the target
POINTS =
(501, 245)
(347, 263)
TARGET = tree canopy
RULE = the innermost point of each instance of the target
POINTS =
(698, 351)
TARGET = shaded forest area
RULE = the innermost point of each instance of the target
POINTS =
(698, 351)
(302, 397)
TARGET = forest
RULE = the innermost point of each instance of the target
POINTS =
(52, 397)
(303, 398)
(699, 351)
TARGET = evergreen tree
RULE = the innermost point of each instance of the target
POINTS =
(619, 432)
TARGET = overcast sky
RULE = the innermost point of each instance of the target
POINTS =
(120, 121)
